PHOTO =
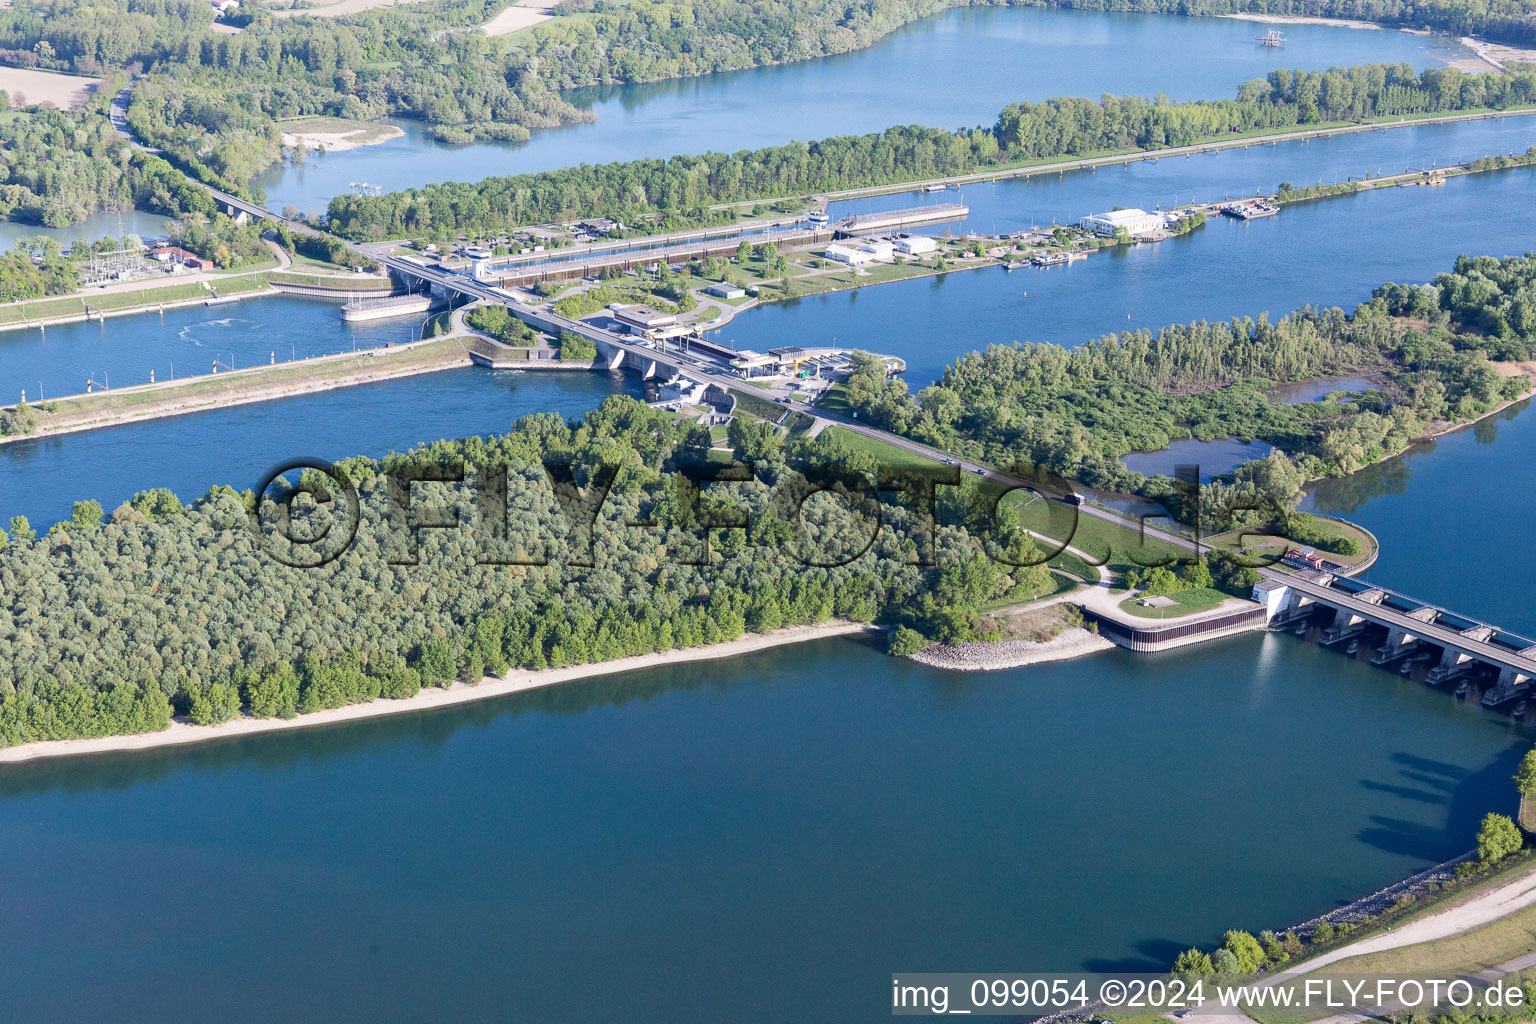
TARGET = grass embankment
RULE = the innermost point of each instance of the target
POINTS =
(261, 383)
(1255, 548)
(1492, 945)
(884, 452)
(1496, 942)
(349, 284)
(1120, 548)
(77, 305)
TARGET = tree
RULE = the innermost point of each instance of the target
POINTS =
(1525, 775)
(1159, 581)
(85, 515)
(743, 252)
(1246, 950)
(1223, 961)
(1498, 838)
(1197, 574)
(1193, 961)
(21, 529)
(904, 642)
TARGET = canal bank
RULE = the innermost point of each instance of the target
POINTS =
(241, 387)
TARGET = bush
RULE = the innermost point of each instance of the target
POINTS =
(904, 642)
(1245, 949)
(499, 323)
(1525, 776)
(1498, 838)
(576, 349)
(1193, 961)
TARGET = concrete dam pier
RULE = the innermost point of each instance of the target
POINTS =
(1403, 632)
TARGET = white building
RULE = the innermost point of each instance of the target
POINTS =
(880, 249)
(726, 291)
(1135, 222)
(642, 319)
(916, 245)
(849, 254)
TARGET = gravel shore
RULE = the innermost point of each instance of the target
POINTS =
(983, 657)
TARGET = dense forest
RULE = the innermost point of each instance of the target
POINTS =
(210, 100)
(56, 168)
(1510, 21)
(630, 190)
(109, 621)
(1077, 411)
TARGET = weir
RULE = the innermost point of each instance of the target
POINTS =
(1459, 646)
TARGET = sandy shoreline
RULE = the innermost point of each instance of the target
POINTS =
(516, 681)
(340, 142)
(986, 657)
(1287, 19)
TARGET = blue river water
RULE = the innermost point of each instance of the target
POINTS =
(1327, 252)
(1014, 204)
(1003, 54)
(769, 838)
(239, 445)
(185, 342)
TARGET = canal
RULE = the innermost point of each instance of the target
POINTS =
(1311, 253)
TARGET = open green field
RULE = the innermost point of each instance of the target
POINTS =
(1198, 599)
(42, 309)
(887, 454)
(1121, 547)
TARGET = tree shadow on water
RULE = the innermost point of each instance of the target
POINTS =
(1470, 795)
(1157, 955)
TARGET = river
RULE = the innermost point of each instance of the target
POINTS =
(955, 69)
(769, 838)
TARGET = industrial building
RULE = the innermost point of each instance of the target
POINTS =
(916, 245)
(726, 291)
(854, 256)
(642, 319)
(1134, 222)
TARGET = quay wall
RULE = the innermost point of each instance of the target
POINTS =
(1151, 638)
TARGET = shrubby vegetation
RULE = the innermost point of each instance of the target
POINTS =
(501, 325)
(34, 268)
(1498, 838)
(1077, 411)
(202, 620)
(632, 190)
